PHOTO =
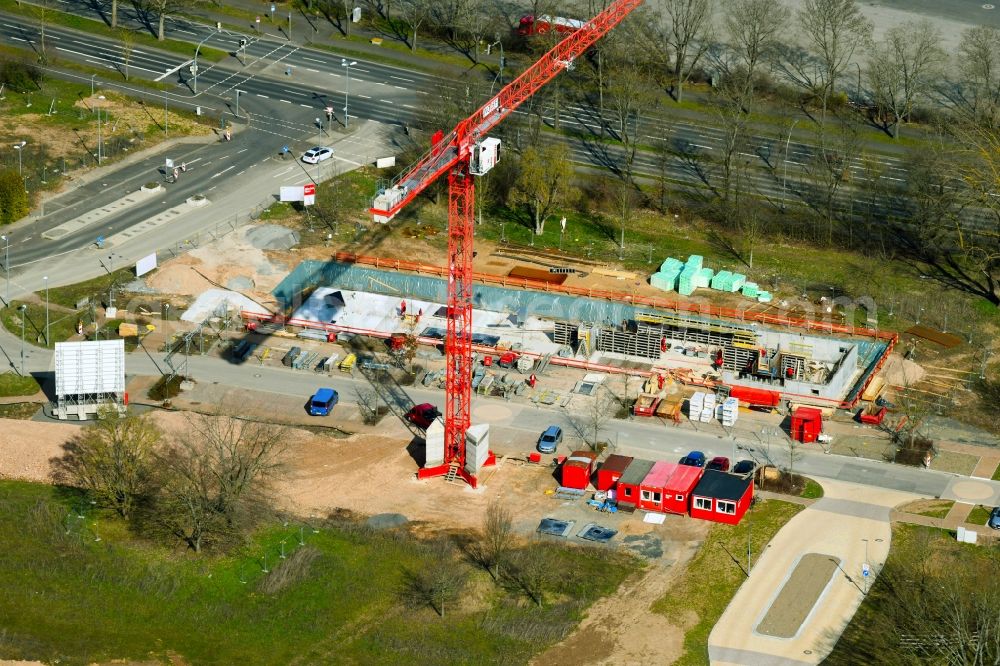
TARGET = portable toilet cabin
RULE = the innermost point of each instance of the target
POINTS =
(611, 470)
(807, 424)
(631, 479)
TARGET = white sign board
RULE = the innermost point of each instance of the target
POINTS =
(90, 367)
(291, 193)
(384, 162)
(145, 265)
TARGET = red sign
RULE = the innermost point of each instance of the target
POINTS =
(309, 190)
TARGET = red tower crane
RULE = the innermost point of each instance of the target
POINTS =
(463, 153)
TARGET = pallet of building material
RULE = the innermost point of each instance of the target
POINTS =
(671, 265)
(722, 280)
(564, 493)
(525, 364)
(737, 281)
(703, 278)
(664, 281)
(685, 282)
(750, 289)
(764, 297)
(695, 262)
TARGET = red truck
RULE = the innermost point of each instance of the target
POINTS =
(539, 25)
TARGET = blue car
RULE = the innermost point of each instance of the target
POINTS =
(322, 402)
(550, 439)
(694, 459)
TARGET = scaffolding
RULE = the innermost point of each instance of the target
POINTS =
(89, 376)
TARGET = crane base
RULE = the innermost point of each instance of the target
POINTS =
(442, 470)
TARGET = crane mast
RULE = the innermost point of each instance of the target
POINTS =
(452, 154)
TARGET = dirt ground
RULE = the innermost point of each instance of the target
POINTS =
(798, 596)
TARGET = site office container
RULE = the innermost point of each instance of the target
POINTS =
(721, 497)
(678, 489)
(651, 487)
(631, 479)
(807, 424)
(576, 470)
(611, 470)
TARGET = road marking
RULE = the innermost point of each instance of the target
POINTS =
(282, 173)
(310, 69)
(386, 101)
(380, 83)
(285, 101)
(322, 62)
(171, 71)
(366, 71)
(242, 150)
(224, 171)
(421, 92)
(306, 106)
(360, 95)
(407, 106)
(264, 96)
(399, 87)
(400, 78)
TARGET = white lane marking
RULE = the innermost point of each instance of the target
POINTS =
(306, 106)
(224, 171)
(310, 69)
(285, 101)
(282, 173)
(399, 87)
(360, 95)
(171, 71)
(386, 101)
(322, 62)
(242, 150)
(264, 96)
(401, 78)
(407, 106)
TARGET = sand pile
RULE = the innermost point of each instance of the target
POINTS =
(900, 372)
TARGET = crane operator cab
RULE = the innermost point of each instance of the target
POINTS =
(485, 155)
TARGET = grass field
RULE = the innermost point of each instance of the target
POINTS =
(812, 490)
(996, 473)
(62, 325)
(95, 289)
(979, 515)
(66, 597)
(712, 578)
(12, 384)
(19, 410)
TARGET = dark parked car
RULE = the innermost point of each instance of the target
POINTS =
(694, 459)
(994, 520)
(423, 415)
(744, 467)
(720, 463)
(550, 439)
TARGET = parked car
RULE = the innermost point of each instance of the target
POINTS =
(322, 402)
(317, 154)
(694, 459)
(994, 520)
(423, 415)
(550, 439)
(720, 463)
(744, 467)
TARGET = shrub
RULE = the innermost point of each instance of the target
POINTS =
(13, 198)
(164, 389)
(20, 76)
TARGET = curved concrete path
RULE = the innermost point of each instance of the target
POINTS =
(836, 525)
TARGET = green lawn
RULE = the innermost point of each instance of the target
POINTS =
(19, 410)
(812, 490)
(996, 473)
(96, 289)
(62, 325)
(712, 578)
(979, 515)
(12, 384)
(66, 597)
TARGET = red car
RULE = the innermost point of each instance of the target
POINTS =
(423, 415)
(720, 463)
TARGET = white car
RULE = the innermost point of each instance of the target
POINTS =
(317, 155)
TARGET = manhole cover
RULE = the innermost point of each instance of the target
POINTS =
(987, 6)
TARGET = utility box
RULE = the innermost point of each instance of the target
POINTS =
(485, 156)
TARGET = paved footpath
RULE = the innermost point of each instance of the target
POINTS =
(848, 518)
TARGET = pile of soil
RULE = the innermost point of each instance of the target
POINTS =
(272, 237)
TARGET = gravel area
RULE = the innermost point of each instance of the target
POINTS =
(798, 596)
(272, 237)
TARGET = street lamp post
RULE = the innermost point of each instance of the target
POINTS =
(194, 65)
(499, 76)
(784, 178)
(18, 147)
(347, 66)
(6, 267)
(92, 84)
(21, 308)
(46, 280)
(867, 567)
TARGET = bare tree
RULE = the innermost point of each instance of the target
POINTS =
(113, 459)
(834, 29)
(689, 23)
(979, 62)
(414, 13)
(496, 542)
(114, 13)
(754, 28)
(544, 181)
(126, 40)
(598, 413)
(534, 572)
(160, 9)
(216, 478)
(42, 10)
(439, 581)
(902, 68)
